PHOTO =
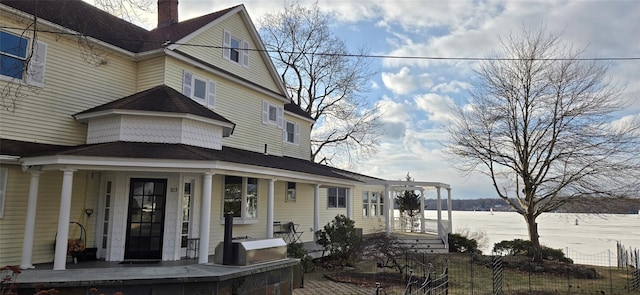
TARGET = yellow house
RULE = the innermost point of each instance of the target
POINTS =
(137, 141)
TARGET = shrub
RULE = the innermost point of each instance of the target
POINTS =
(519, 247)
(340, 239)
(461, 244)
(297, 250)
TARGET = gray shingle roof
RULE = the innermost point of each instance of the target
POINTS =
(88, 20)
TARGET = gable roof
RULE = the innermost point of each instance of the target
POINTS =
(91, 21)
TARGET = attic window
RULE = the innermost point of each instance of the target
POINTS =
(235, 50)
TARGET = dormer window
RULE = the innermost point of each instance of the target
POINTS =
(235, 49)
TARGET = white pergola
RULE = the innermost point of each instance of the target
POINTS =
(392, 187)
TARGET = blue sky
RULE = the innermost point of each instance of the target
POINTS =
(421, 89)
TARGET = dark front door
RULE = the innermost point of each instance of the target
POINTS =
(145, 219)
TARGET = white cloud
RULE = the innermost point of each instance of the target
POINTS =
(403, 82)
(452, 87)
(438, 107)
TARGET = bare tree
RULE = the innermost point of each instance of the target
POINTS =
(547, 127)
(324, 80)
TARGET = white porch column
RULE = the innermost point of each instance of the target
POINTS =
(387, 217)
(60, 258)
(205, 217)
(270, 200)
(449, 209)
(30, 222)
(316, 212)
(423, 215)
(439, 211)
(349, 205)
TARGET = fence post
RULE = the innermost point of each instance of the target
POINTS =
(471, 268)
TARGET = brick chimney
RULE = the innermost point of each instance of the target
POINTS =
(167, 12)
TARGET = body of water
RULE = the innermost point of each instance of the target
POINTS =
(592, 235)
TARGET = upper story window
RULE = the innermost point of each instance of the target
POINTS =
(292, 132)
(15, 53)
(272, 114)
(235, 49)
(336, 197)
(199, 89)
(241, 196)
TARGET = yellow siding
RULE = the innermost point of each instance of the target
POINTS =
(303, 149)
(238, 104)
(150, 73)
(257, 70)
(12, 225)
(72, 84)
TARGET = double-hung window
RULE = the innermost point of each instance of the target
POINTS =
(235, 49)
(272, 114)
(336, 197)
(19, 61)
(372, 204)
(241, 196)
(199, 89)
(291, 132)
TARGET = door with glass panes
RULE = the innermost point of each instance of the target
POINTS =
(145, 222)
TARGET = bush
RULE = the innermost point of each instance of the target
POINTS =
(297, 250)
(519, 247)
(340, 239)
(461, 244)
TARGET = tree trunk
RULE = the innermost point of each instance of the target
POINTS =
(534, 237)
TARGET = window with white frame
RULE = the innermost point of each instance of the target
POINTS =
(199, 89)
(4, 174)
(241, 196)
(291, 132)
(235, 49)
(365, 203)
(15, 53)
(372, 204)
(272, 114)
(336, 197)
(291, 192)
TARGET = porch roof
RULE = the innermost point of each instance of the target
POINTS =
(163, 151)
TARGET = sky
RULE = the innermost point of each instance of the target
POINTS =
(415, 94)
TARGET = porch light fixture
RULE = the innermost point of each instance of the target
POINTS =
(88, 212)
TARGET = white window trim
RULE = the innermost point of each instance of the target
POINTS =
(377, 211)
(346, 199)
(242, 219)
(296, 132)
(35, 72)
(279, 114)
(188, 82)
(243, 49)
(4, 175)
